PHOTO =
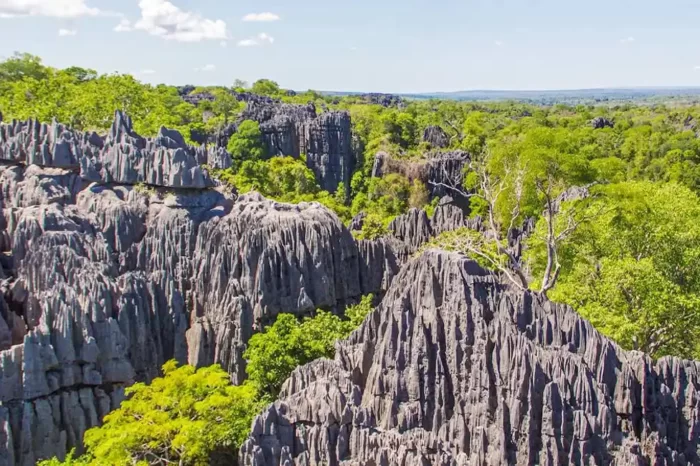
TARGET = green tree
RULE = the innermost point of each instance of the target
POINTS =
(246, 143)
(188, 417)
(22, 66)
(632, 270)
(226, 105)
(266, 87)
(273, 354)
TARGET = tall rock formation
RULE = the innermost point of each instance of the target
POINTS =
(325, 139)
(436, 137)
(441, 171)
(117, 254)
(455, 368)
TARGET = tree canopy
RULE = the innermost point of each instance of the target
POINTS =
(188, 417)
(632, 270)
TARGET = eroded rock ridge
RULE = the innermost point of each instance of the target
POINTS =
(454, 368)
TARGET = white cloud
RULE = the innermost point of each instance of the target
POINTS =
(67, 32)
(261, 17)
(261, 39)
(124, 26)
(627, 40)
(499, 43)
(206, 68)
(147, 72)
(52, 8)
(163, 19)
(223, 43)
(697, 68)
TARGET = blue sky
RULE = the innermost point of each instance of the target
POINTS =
(368, 45)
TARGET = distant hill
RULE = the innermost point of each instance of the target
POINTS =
(555, 96)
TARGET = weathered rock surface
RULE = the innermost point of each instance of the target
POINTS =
(102, 282)
(325, 139)
(122, 156)
(455, 368)
(441, 171)
(414, 228)
(602, 122)
(445, 170)
(436, 137)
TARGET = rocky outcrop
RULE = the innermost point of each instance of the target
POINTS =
(130, 159)
(385, 100)
(328, 150)
(445, 170)
(415, 228)
(455, 368)
(292, 130)
(122, 156)
(54, 145)
(102, 280)
(441, 171)
(436, 137)
(602, 122)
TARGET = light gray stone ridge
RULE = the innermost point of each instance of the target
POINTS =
(325, 138)
(439, 170)
(100, 284)
(436, 137)
(33, 142)
(414, 228)
(455, 368)
(122, 156)
(128, 158)
(446, 168)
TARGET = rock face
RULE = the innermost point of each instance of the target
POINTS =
(446, 169)
(325, 139)
(102, 281)
(439, 170)
(602, 122)
(436, 137)
(121, 157)
(414, 228)
(454, 368)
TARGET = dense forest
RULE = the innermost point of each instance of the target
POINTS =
(604, 198)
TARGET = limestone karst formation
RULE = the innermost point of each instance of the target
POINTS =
(455, 368)
(118, 253)
(325, 139)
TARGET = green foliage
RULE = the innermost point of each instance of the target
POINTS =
(632, 270)
(373, 227)
(21, 66)
(189, 417)
(273, 354)
(246, 143)
(284, 179)
(470, 243)
(71, 460)
(386, 198)
(266, 87)
(418, 196)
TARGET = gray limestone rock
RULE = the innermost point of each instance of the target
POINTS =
(436, 137)
(106, 282)
(445, 168)
(53, 145)
(121, 157)
(328, 149)
(130, 159)
(325, 139)
(455, 368)
(602, 122)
